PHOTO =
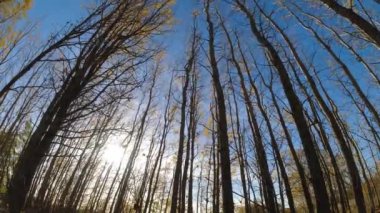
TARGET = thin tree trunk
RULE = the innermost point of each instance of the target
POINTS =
(368, 29)
(178, 168)
(323, 204)
(228, 203)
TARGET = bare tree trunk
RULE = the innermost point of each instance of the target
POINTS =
(178, 168)
(92, 57)
(194, 113)
(119, 204)
(158, 163)
(300, 169)
(345, 69)
(228, 203)
(346, 44)
(259, 145)
(323, 204)
(77, 31)
(238, 145)
(368, 29)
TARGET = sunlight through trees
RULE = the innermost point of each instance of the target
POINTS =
(191, 106)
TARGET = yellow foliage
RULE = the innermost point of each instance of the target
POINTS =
(14, 8)
(160, 56)
(206, 131)
(10, 12)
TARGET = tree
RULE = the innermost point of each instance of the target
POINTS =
(369, 29)
(297, 113)
(114, 25)
(228, 204)
(189, 68)
(10, 12)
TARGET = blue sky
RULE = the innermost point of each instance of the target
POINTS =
(52, 15)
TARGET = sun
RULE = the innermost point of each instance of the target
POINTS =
(113, 153)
